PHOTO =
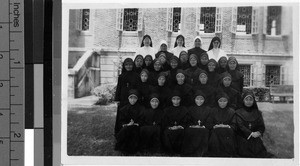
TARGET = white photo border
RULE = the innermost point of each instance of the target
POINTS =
(101, 160)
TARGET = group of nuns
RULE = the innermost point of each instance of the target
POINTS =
(187, 103)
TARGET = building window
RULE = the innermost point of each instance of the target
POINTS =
(246, 71)
(272, 75)
(173, 19)
(83, 20)
(207, 19)
(274, 20)
(130, 19)
(176, 19)
(244, 19)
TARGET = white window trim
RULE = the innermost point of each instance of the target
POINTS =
(90, 32)
(120, 19)
(265, 26)
(181, 22)
(198, 18)
(234, 22)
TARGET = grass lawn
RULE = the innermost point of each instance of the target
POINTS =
(90, 131)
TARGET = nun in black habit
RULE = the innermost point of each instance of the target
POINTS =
(197, 50)
(185, 89)
(174, 123)
(183, 59)
(213, 76)
(138, 64)
(222, 64)
(193, 71)
(206, 88)
(127, 80)
(174, 63)
(237, 76)
(150, 130)
(148, 60)
(157, 68)
(234, 95)
(162, 90)
(195, 142)
(222, 142)
(128, 136)
(250, 129)
(144, 88)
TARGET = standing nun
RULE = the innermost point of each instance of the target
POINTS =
(222, 65)
(178, 46)
(173, 124)
(148, 63)
(237, 76)
(206, 88)
(157, 68)
(174, 63)
(146, 47)
(163, 48)
(203, 62)
(214, 51)
(213, 76)
(197, 50)
(193, 72)
(185, 89)
(222, 142)
(234, 95)
(183, 58)
(127, 80)
(144, 87)
(250, 129)
(138, 64)
(195, 142)
(163, 90)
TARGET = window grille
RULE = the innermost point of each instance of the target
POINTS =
(176, 19)
(246, 71)
(274, 15)
(272, 75)
(130, 19)
(244, 19)
(208, 18)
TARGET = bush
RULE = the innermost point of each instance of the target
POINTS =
(262, 94)
(106, 93)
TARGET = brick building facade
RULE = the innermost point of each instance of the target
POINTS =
(260, 37)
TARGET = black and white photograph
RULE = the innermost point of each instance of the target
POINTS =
(179, 81)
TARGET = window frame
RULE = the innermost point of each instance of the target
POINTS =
(169, 22)
(90, 31)
(254, 22)
(120, 20)
(265, 23)
(218, 21)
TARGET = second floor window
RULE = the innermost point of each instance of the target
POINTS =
(274, 20)
(209, 20)
(176, 19)
(130, 19)
(83, 22)
(173, 19)
(244, 19)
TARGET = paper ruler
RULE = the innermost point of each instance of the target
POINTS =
(12, 83)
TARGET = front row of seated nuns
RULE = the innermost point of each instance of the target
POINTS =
(196, 130)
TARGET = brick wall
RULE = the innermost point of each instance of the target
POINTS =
(265, 49)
